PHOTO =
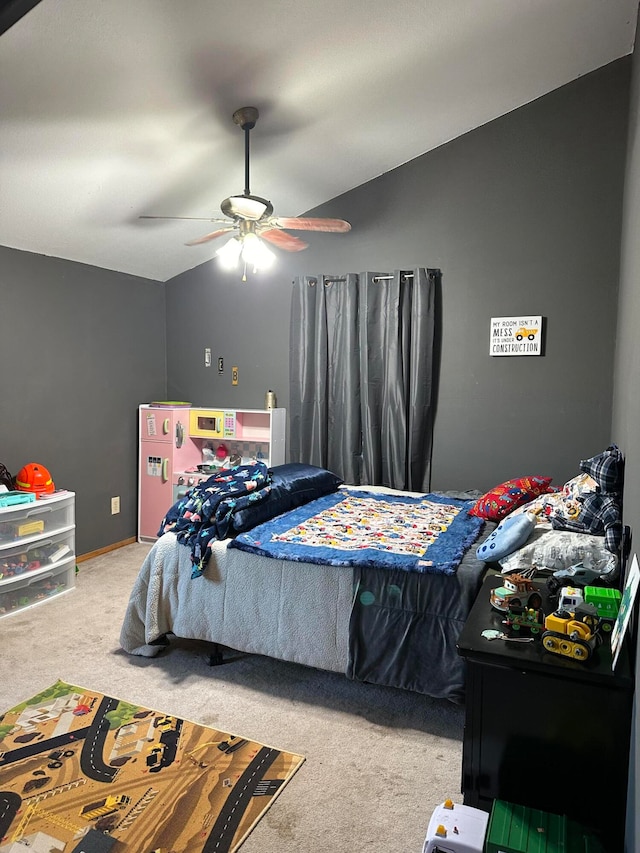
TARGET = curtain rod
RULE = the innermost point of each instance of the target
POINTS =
(375, 278)
(387, 277)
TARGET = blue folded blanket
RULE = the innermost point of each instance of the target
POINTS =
(205, 513)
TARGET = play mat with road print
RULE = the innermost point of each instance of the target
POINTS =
(81, 772)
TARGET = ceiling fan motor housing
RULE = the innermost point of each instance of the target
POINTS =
(246, 117)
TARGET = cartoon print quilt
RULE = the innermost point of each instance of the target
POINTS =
(427, 534)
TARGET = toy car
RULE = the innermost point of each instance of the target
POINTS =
(569, 598)
(607, 603)
(576, 575)
(518, 618)
(517, 591)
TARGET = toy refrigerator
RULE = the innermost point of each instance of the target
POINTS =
(165, 447)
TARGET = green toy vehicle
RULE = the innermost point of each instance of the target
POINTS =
(529, 618)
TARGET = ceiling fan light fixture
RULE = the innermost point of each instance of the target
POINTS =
(229, 254)
(255, 253)
(250, 249)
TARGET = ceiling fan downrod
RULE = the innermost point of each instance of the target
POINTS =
(246, 118)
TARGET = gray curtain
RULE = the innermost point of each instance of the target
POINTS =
(361, 376)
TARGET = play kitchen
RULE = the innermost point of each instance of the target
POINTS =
(181, 445)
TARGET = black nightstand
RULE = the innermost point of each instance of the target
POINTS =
(545, 731)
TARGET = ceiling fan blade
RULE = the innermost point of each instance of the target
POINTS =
(302, 223)
(194, 218)
(212, 236)
(283, 240)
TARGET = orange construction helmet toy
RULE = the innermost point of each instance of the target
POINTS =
(34, 478)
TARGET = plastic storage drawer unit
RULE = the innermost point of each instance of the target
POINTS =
(24, 591)
(37, 551)
(38, 556)
(28, 522)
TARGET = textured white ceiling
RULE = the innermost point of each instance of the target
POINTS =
(115, 108)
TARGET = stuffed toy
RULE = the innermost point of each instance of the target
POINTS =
(599, 512)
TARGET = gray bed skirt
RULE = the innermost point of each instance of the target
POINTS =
(386, 627)
(291, 611)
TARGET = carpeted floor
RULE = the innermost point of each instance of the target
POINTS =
(378, 760)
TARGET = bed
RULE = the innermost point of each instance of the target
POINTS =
(374, 622)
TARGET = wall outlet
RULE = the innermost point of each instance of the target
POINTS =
(207, 356)
(115, 505)
(234, 375)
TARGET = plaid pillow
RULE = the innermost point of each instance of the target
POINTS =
(599, 512)
(506, 497)
(607, 469)
(600, 515)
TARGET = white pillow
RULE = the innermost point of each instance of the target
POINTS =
(558, 549)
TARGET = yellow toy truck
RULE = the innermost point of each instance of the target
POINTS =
(572, 634)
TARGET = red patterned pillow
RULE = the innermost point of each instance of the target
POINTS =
(506, 497)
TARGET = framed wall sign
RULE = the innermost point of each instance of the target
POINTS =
(516, 336)
(626, 608)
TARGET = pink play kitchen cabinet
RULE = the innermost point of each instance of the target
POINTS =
(181, 445)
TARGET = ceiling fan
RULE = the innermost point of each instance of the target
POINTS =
(251, 217)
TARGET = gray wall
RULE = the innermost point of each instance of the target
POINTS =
(80, 348)
(626, 400)
(247, 324)
(522, 216)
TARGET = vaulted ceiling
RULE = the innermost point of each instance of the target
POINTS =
(111, 109)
